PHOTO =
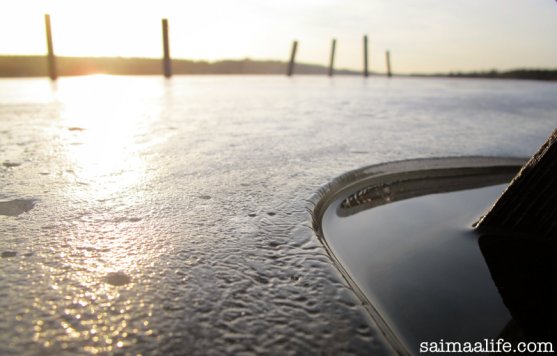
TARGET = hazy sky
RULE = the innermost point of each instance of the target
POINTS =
(422, 35)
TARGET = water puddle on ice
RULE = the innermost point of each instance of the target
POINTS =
(418, 262)
(16, 207)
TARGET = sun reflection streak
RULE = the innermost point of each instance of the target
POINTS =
(104, 127)
(104, 135)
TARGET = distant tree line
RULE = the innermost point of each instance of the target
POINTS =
(532, 74)
(36, 66)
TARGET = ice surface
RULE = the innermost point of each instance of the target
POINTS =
(192, 195)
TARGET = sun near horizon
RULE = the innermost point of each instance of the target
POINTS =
(423, 37)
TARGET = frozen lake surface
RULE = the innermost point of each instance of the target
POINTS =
(172, 216)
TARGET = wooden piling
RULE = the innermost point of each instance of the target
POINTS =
(292, 59)
(332, 61)
(365, 57)
(519, 244)
(388, 59)
(529, 204)
(167, 65)
(52, 73)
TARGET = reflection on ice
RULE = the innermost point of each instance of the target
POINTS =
(104, 124)
(103, 132)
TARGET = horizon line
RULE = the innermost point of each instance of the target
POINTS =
(356, 71)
